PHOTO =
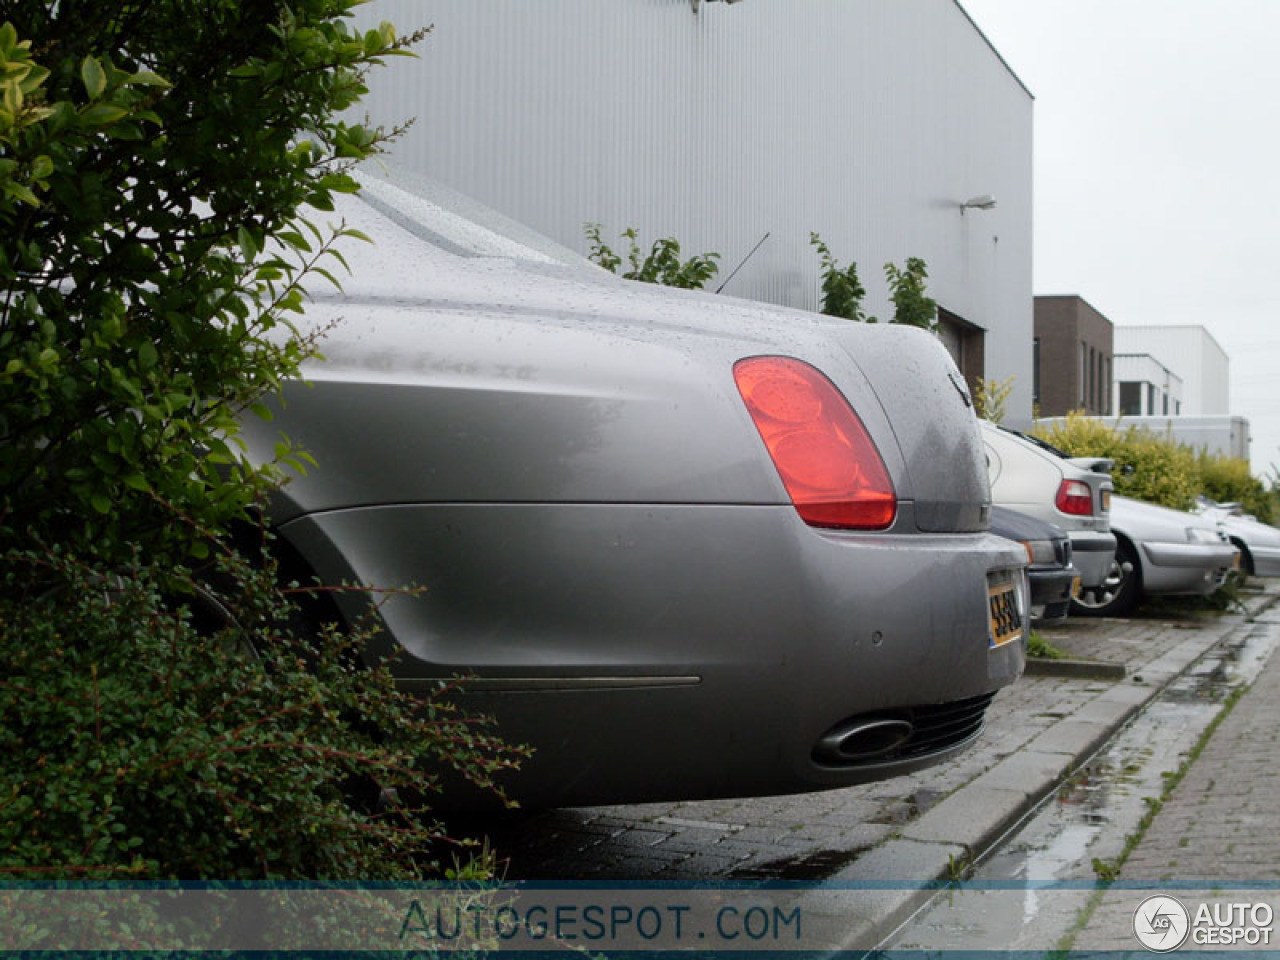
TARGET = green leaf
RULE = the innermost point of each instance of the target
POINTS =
(294, 239)
(248, 247)
(34, 79)
(101, 502)
(102, 114)
(145, 78)
(95, 79)
(262, 411)
(18, 192)
(147, 356)
(328, 276)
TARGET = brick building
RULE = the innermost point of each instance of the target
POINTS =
(1072, 359)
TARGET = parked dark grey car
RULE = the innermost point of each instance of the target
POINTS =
(688, 546)
(1053, 578)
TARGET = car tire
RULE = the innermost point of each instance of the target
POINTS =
(1120, 589)
(211, 612)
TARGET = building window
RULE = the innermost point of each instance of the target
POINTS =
(1099, 386)
(1131, 399)
(1084, 375)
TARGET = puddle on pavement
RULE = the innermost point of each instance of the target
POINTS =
(1214, 677)
(1090, 817)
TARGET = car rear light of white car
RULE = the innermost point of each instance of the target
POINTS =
(1075, 497)
(828, 462)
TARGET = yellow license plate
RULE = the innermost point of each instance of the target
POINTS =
(1006, 621)
(1075, 588)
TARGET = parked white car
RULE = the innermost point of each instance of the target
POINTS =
(1258, 543)
(1159, 551)
(1035, 478)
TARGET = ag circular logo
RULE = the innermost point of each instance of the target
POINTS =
(1161, 924)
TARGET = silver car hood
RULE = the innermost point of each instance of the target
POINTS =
(500, 378)
(1140, 520)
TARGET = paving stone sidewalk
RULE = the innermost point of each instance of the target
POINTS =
(909, 828)
(1221, 824)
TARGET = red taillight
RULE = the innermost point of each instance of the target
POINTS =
(832, 470)
(1076, 497)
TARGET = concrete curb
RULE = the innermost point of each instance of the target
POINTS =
(1079, 669)
(972, 820)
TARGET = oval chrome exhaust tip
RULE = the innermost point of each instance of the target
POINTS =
(862, 739)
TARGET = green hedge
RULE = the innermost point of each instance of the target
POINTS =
(1160, 470)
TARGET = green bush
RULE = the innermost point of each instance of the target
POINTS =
(1159, 470)
(137, 744)
(1148, 467)
(842, 291)
(661, 265)
(154, 162)
(911, 304)
(990, 399)
(147, 156)
(1229, 480)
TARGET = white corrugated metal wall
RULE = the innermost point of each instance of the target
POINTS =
(868, 121)
(1190, 351)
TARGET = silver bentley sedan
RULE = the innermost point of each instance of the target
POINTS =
(685, 546)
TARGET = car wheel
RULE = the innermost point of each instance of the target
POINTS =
(1118, 592)
(215, 594)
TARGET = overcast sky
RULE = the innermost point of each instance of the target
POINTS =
(1157, 169)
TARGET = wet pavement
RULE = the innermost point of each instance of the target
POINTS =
(1077, 840)
(1216, 836)
(1042, 741)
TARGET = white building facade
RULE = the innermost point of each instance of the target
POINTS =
(870, 122)
(1145, 387)
(1192, 355)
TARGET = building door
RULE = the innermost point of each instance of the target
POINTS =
(966, 342)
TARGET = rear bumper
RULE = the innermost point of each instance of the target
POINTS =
(1193, 569)
(1092, 553)
(1050, 593)
(662, 651)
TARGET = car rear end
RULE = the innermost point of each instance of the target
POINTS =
(684, 546)
(1033, 477)
(1053, 578)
